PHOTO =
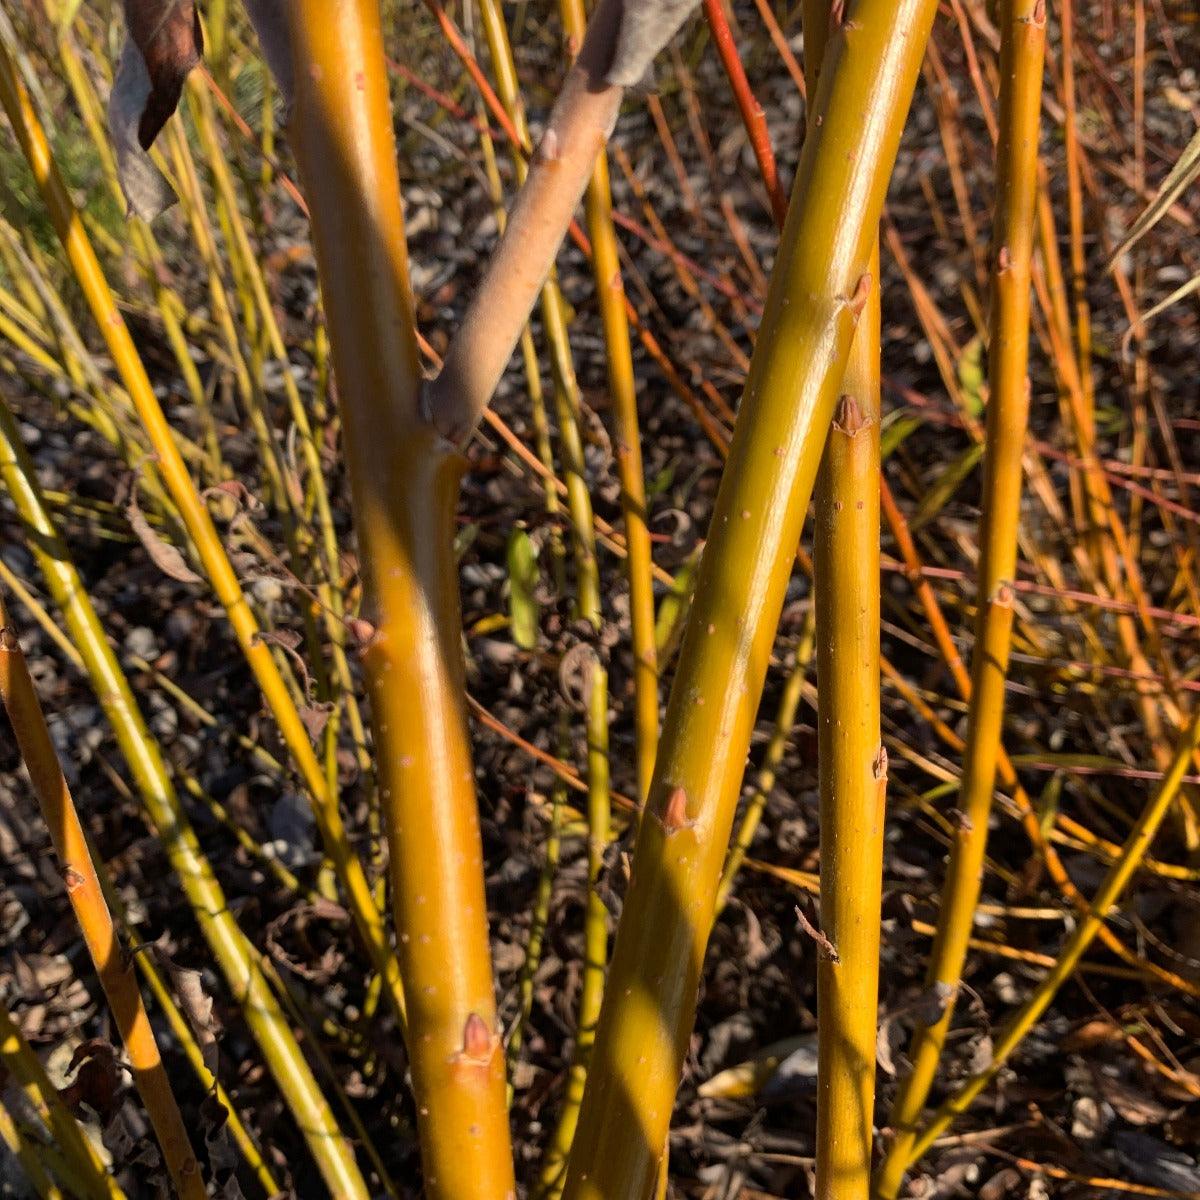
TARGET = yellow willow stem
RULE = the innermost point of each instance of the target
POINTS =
(330, 595)
(579, 506)
(599, 818)
(196, 518)
(541, 905)
(404, 477)
(785, 720)
(820, 285)
(113, 967)
(19, 1061)
(229, 945)
(142, 240)
(853, 775)
(1021, 1022)
(606, 270)
(1021, 55)
(852, 763)
(26, 1154)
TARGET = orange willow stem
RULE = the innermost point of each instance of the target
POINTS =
(404, 476)
(851, 760)
(753, 117)
(1021, 55)
(819, 288)
(610, 294)
(114, 969)
(196, 518)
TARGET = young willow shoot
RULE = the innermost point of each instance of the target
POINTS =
(1022, 47)
(819, 288)
(1134, 851)
(78, 1156)
(113, 967)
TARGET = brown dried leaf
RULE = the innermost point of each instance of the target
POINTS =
(238, 490)
(1096, 1032)
(97, 1079)
(315, 717)
(165, 557)
(1131, 1104)
(167, 34)
(196, 1004)
(223, 1157)
(146, 189)
(163, 45)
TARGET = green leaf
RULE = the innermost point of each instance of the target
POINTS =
(972, 377)
(522, 580)
(897, 427)
(944, 487)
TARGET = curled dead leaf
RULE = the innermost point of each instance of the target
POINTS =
(166, 558)
(168, 37)
(164, 44)
(196, 1005)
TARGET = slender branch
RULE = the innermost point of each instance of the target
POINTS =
(579, 126)
(1022, 49)
(1136, 846)
(114, 969)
